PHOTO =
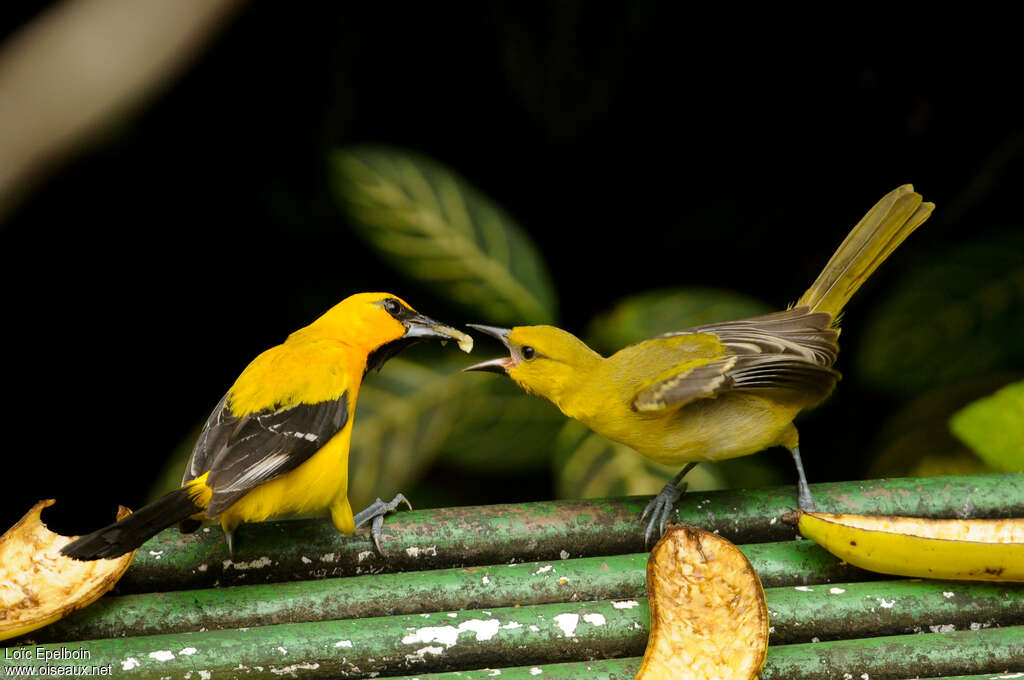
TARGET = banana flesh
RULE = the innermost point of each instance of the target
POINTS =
(709, 618)
(39, 585)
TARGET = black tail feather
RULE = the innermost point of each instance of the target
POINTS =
(129, 533)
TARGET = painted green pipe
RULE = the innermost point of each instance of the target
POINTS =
(561, 632)
(900, 656)
(454, 537)
(576, 580)
(903, 656)
(856, 610)
(618, 669)
(388, 645)
(598, 669)
(823, 608)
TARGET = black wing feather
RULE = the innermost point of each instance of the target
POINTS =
(242, 453)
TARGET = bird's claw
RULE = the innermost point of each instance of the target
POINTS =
(659, 509)
(375, 512)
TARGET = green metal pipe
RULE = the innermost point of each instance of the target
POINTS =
(358, 647)
(615, 669)
(584, 579)
(902, 656)
(995, 675)
(454, 537)
(852, 610)
(573, 580)
(598, 669)
(552, 633)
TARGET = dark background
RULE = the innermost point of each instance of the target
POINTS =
(641, 145)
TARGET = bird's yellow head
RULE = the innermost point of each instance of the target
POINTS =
(382, 324)
(543, 360)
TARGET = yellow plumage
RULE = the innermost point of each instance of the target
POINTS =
(716, 391)
(278, 441)
(314, 365)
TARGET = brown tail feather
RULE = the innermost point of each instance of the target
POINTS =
(873, 239)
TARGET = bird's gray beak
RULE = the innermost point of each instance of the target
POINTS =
(419, 326)
(501, 364)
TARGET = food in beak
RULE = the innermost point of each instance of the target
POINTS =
(425, 327)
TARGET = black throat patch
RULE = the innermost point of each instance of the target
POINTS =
(379, 356)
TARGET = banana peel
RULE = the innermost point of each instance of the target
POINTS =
(39, 585)
(709, 618)
(958, 549)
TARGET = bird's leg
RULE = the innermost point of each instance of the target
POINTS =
(376, 511)
(228, 527)
(804, 498)
(660, 507)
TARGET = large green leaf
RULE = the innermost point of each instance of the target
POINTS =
(994, 428)
(651, 313)
(959, 315)
(438, 230)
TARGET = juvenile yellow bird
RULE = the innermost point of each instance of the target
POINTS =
(278, 441)
(717, 391)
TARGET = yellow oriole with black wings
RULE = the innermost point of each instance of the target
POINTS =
(716, 391)
(278, 441)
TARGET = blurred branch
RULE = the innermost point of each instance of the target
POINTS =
(79, 66)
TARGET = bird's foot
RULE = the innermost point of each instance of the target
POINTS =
(660, 510)
(375, 513)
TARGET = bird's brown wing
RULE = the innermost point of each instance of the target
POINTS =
(786, 356)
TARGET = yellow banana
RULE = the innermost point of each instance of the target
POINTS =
(975, 550)
(709, 618)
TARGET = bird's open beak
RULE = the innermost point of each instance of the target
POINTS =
(419, 326)
(501, 364)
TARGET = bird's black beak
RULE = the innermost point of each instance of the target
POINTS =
(423, 327)
(501, 364)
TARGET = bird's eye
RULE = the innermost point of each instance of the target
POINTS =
(391, 306)
(528, 352)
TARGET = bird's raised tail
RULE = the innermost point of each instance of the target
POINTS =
(129, 533)
(873, 239)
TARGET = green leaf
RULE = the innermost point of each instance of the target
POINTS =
(588, 465)
(438, 230)
(994, 428)
(958, 315)
(501, 429)
(651, 313)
